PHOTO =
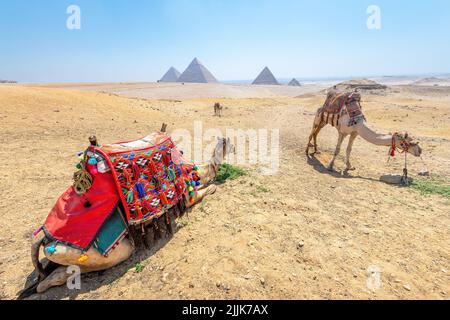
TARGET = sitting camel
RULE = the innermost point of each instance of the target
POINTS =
(343, 111)
(218, 109)
(64, 255)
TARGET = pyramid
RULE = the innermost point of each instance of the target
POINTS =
(266, 77)
(197, 73)
(171, 75)
(294, 82)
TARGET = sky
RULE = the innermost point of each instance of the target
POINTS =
(138, 40)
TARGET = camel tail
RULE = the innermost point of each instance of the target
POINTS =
(32, 288)
(35, 247)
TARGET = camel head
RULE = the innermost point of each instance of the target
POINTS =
(224, 147)
(406, 143)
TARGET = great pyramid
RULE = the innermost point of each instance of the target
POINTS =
(266, 77)
(294, 82)
(197, 73)
(171, 75)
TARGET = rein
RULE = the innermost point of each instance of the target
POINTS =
(404, 147)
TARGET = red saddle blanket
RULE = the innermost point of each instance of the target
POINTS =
(148, 176)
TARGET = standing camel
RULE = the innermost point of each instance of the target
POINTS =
(64, 255)
(218, 109)
(343, 111)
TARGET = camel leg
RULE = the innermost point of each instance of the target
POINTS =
(317, 126)
(336, 152)
(315, 138)
(201, 194)
(56, 278)
(309, 145)
(349, 151)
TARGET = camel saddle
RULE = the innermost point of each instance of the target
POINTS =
(339, 102)
(133, 182)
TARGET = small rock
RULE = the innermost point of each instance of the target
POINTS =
(191, 285)
(263, 281)
(300, 244)
(407, 287)
(424, 173)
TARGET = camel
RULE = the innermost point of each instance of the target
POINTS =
(65, 256)
(343, 111)
(218, 109)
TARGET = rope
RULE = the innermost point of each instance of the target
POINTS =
(82, 180)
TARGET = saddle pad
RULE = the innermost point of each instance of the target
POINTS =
(110, 234)
(336, 101)
(151, 178)
(76, 219)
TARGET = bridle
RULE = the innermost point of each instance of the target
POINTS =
(403, 147)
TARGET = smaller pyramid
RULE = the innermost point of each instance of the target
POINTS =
(196, 72)
(171, 75)
(294, 83)
(266, 77)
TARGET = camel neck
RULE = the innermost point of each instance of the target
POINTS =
(373, 137)
(216, 160)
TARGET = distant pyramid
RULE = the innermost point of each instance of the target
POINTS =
(294, 83)
(197, 73)
(171, 75)
(266, 77)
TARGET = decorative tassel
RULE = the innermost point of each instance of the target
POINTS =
(37, 231)
(136, 171)
(163, 198)
(83, 258)
(51, 249)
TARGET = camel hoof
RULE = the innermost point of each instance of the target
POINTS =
(330, 169)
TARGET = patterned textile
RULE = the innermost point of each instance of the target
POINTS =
(339, 102)
(152, 178)
(147, 176)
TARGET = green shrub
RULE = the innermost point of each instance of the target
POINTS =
(227, 171)
(432, 186)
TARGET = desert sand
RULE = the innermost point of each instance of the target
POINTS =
(303, 233)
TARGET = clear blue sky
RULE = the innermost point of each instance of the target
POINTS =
(139, 40)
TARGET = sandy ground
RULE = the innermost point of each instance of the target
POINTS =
(303, 233)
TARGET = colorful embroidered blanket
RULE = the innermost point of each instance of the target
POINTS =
(152, 178)
(147, 176)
